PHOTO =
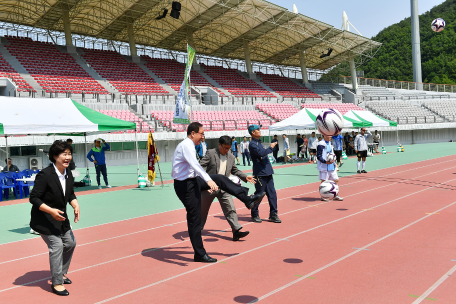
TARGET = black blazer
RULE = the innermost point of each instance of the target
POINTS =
(48, 190)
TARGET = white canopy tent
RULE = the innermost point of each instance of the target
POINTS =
(57, 116)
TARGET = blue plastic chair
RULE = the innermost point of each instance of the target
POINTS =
(6, 183)
(23, 187)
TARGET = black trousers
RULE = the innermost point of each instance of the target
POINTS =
(274, 153)
(189, 193)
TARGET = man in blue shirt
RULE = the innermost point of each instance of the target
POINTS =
(235, 149)
(327, 169)
(201, 149)
(98, 152)
(338, 147)
(263, 171)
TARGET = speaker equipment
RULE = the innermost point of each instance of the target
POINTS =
(175, 10)
(35, 163)
(165, 11)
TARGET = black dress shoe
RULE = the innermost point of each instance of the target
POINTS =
(254, 200)
(204, 259)
(256, 219)
(359, 172)
(60, 293)
(364, 171)
(274, 218)
(66, 281)
(238, 234)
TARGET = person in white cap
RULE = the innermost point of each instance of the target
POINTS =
(98, 152)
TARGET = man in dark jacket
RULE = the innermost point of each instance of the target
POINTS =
(72, 165)
(9, 166)
(262, 171)
(98, 152)
(221, 161)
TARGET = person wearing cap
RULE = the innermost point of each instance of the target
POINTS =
(98, 152)
(262, 171)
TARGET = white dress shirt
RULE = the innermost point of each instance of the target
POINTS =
(61, 178)
(204, 148)
(361, 141)
(185, 164)
(244, 146)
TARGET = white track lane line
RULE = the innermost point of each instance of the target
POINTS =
(350, 254)
(434, 287)
(371, 178)
(166, 225)
(288, 237)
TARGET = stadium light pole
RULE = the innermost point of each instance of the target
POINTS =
(416, 51)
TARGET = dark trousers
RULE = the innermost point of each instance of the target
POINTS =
(101, 169)
(274, 153)
(189, 193)
(266, 184)
(244, 155)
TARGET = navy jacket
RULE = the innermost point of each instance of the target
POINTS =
(261, 164)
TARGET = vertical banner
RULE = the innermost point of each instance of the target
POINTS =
(183, 108)
(152, 158)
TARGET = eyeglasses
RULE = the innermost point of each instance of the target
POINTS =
(202, 134)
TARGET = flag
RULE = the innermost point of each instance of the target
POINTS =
(182, 111)
(152, 158)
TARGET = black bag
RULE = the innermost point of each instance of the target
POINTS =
(79, 184)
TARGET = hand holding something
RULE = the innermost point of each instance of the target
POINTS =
(251, 180)
(95, 162)
(56, 215)
(273, 144)
(213, 186)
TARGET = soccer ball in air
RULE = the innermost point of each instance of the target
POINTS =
(331, 157)
(329, 189)
(329, 122)
(235, 179)
(438, 25)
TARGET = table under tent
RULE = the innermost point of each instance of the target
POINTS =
(56, 116)
(305, 119)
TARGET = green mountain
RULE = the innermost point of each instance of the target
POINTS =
(393, 61)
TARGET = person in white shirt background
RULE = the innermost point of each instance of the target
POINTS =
(361, 148)
(376, 139)
(245, 150)
(286, 149)
(190, 179)
(312, 148)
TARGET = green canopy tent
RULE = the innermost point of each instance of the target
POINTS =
(369, 119)
(58, 116)
(305, 119)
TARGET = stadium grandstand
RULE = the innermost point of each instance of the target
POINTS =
(123, 61)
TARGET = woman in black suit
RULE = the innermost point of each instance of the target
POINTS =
(52, 191)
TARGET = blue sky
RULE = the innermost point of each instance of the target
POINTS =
(368, 16)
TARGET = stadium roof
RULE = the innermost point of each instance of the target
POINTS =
(219, 27)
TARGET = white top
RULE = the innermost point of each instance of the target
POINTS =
(222, 169)
(61, 178)
(361, 141)
(185, 164)
(244, 146)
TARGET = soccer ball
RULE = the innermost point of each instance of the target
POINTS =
(329, 189)
(331, 157)
(438, 25)
(235, 179)
(329, 122)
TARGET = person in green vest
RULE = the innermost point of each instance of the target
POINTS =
(98, 152)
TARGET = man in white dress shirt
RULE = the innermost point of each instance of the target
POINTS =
(190, 179)
(361, 148)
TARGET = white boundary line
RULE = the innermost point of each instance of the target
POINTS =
(371, 178)
(352, 253)
(434, 287)
(299, 233)
(166, 225)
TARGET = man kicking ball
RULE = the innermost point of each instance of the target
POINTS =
(327, 169)
(361, 148)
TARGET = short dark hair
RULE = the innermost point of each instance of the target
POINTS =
(233, 138)
(225, 140)
(194, 127)
(69, 140)
(284, 134)
(275, 135)
(313, 132)
(6, 160)
(299, 135)
(57, 148)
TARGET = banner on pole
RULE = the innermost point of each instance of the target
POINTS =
(183, 108)
(152, 158)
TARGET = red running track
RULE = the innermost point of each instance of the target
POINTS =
(316, 239)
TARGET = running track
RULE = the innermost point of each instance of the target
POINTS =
(390, 241)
